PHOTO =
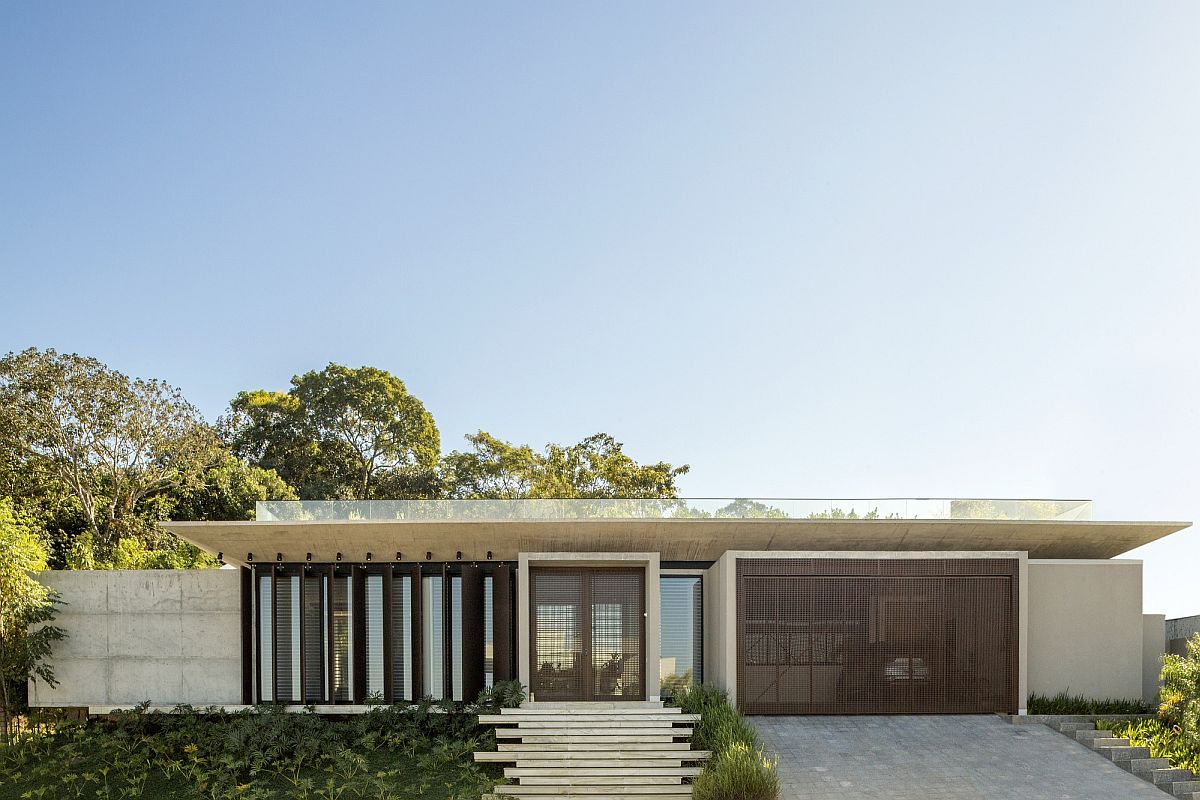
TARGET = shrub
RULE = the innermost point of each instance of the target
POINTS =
(738, 769)
(1063, 703)
(741, 772)
(1181, 695)
(1163, 739)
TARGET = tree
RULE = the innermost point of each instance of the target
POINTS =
(340, 433)
(743, 508)
(26, 610)
(111, 441)
(228, 490)
(597, 467)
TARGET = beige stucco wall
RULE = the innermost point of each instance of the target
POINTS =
(1154, 645)
(167, 636)
(1085, 627)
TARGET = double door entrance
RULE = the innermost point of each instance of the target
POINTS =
(588, 633)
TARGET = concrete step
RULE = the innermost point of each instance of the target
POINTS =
(620, 780)
(1185, 789)
(1173, 775)
(1144, 766)
(1112, 741)
(597, 757)
(615, 739)
(1070, 727)
(605, 719)
(593, 791)
(532, 734)
(1124, 753)
(1091, 733)
(603, 722)
(574, 771)
(518, 747)
(588, 706)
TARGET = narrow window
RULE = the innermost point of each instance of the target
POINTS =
(402, 687)
(489, 658)
(433, 674)
(287, 639)
(374, 643)
(315, 622)
(266, 647)
(681, 661)
(343, 688)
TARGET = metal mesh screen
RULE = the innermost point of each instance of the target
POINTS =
(588, 634)
(876, 640)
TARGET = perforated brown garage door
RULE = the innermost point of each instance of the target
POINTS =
(877, 636)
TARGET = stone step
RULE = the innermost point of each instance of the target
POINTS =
(593, 791)
(1091, 733)
(609, 760)
(601, 773)
(576, 705)
(1124, 753)
(1144, 766)
(606, 719)
(533, 734)
(518, 747)
(615, 739)
(1112, 741)
(1173, 775)
(1185, 789)
(602, 722)
(1070, 727)
(619, 780)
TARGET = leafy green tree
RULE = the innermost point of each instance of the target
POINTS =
(742, 508)
(26, 610)
(107, 440)
(340, 433)
(228, 490)
(597, 467)
(1180, 695)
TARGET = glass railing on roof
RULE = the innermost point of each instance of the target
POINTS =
(684, 508)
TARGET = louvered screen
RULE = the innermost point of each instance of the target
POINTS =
(489, 639)
(342, 673)
(316, 616)
(266, 645)
(557, 630)
(937, 640)
(588, 629)
(287, 638)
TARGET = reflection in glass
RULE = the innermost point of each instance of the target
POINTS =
(374, 643)
(433, 676)
(682, 655)
(266, 664)
(402, 686)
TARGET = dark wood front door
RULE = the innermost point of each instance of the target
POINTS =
(588, 633)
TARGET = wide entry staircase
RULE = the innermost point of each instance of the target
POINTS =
(625, 750)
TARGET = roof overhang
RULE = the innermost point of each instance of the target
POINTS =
(674, 539)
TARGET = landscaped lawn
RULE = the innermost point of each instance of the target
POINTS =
(390, 752)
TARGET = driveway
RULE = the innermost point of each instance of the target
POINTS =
(938, 758)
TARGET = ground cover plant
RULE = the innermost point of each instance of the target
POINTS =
(738, 770)
(423, 752)
(1163, 739)
(1064, 703)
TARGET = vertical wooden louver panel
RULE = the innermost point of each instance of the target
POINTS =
(248, 660)
(401, 638)
(287, 639)
(415, 632)
(503, 627)
(358, 637)
(472, 631)
(899, 636)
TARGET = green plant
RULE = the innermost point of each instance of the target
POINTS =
(1064, 703)
(738, 770)
(1164, 740)
(741, 772)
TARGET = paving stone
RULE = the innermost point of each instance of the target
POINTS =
(938, 758)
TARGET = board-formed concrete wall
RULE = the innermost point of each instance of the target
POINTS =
(1086, 632)
(166, 636)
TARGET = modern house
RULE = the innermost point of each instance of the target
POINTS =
(791, 606)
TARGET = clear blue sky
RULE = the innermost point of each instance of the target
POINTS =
(812, 250)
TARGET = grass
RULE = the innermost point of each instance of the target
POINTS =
(1164, 740)
(738, 769)
(390, 753)
(1064, 703)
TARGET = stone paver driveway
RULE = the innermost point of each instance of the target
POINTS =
(938, 758)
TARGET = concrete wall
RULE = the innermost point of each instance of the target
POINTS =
(1154, 644)
(1086, 633)
(167, 636)
(1179, 630)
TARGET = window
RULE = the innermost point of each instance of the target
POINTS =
(489, 654)
(433, 674)
(402, 688)
(266, 651)
(343, 640)
(374, 632)
(681, 661)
